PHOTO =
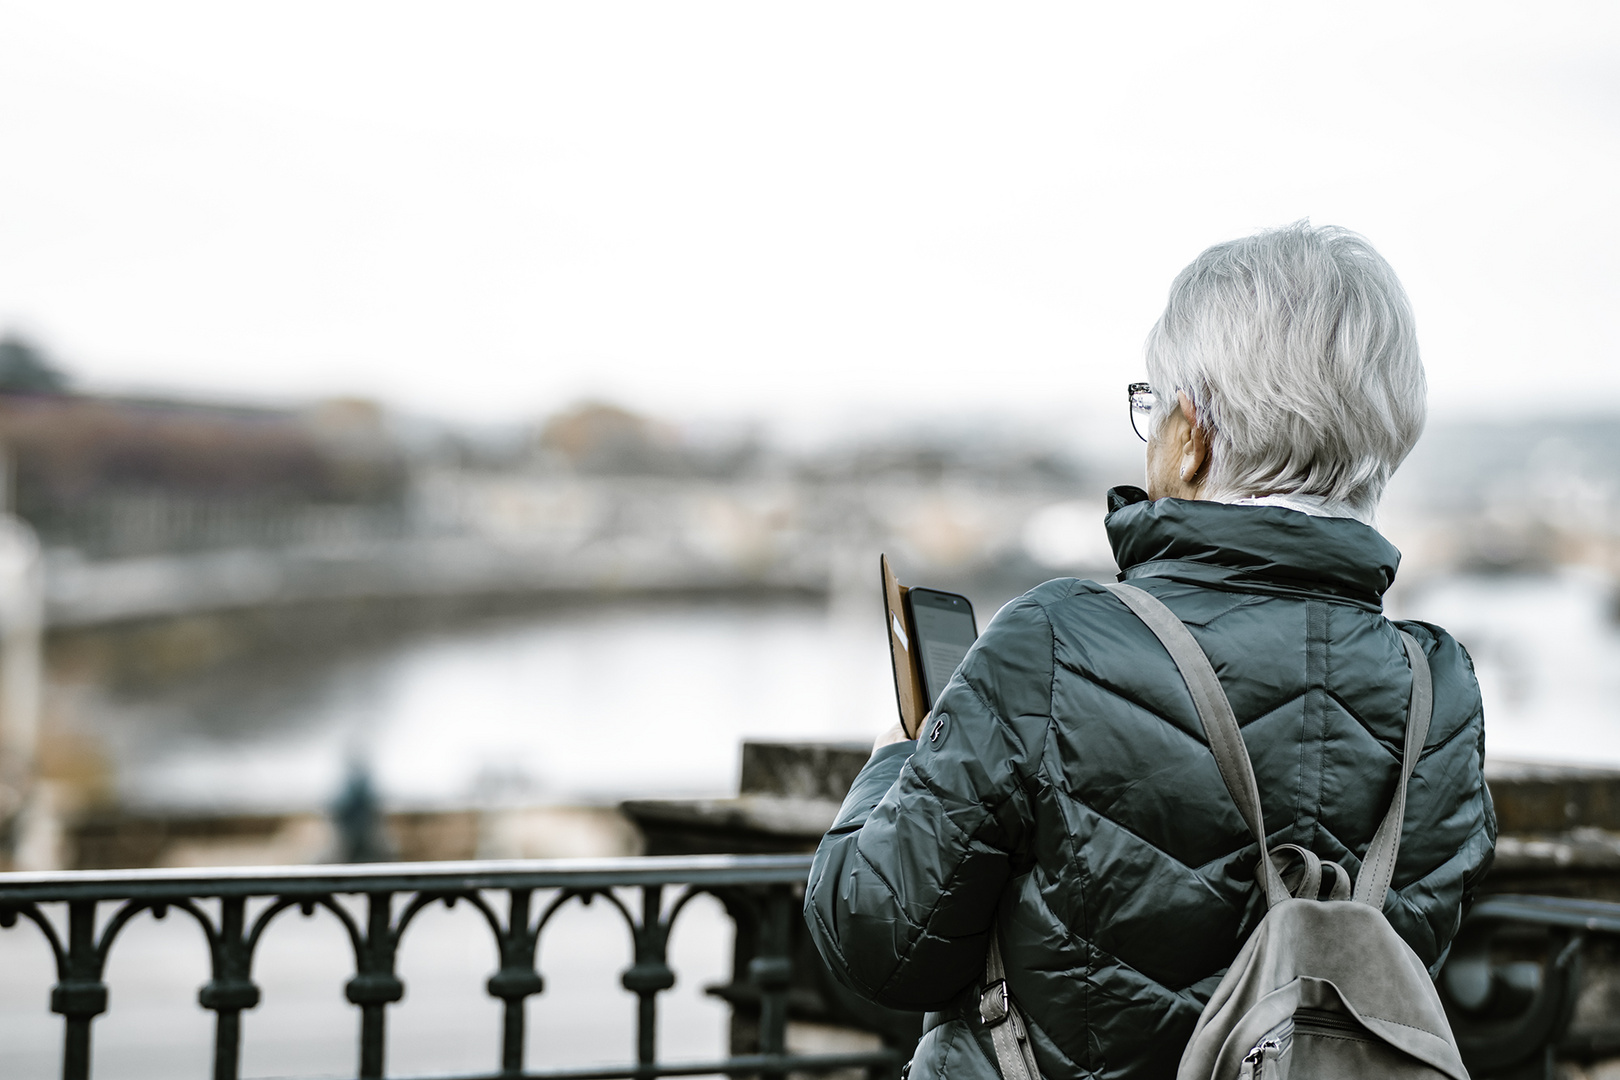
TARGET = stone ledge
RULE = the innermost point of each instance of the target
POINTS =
(1583, 848)
(1534, 799)
(744, 824)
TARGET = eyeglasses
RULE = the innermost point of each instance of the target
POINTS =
(1143, 401)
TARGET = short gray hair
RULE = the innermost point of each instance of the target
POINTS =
(1297, 346)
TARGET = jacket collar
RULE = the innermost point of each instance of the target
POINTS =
(1253, 549)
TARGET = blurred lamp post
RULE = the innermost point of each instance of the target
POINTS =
(30, 825)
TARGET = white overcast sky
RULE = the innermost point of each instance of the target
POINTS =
(483, 211)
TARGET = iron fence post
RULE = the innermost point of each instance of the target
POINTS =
(650, 974)
(516, 979)
(772, 970)
(375, 986)
(231, 989)
(80, 995)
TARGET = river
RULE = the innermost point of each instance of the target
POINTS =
(587, 706)
(597, 704)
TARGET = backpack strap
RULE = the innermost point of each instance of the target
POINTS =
(1309, 880)
(1379, 866)
(1220, 724)
(1237, 771)
(1001, 1018)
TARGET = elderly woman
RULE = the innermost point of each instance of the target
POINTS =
(1065, 797)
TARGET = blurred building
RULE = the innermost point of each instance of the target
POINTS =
(119, 476)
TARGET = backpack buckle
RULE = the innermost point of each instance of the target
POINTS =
(994, 1008)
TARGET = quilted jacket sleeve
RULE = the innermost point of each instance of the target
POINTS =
(906, 883)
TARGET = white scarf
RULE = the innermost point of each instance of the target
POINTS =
(1314, 505)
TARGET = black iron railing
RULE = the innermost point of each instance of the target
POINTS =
(1511, 982)
(517, 900)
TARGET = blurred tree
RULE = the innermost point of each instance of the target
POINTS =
(24, 369)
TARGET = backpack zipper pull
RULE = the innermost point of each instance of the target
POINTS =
(1255, 1056)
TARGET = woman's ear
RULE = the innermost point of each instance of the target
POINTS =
(1195, 452)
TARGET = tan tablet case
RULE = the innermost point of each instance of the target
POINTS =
(907, 677)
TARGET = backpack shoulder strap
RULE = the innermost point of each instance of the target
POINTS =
(1008, 1033)
(1379, 866)
(1220, 724)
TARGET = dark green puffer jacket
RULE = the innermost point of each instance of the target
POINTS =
(1065, 793)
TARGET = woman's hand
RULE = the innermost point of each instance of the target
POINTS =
(897, 733)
